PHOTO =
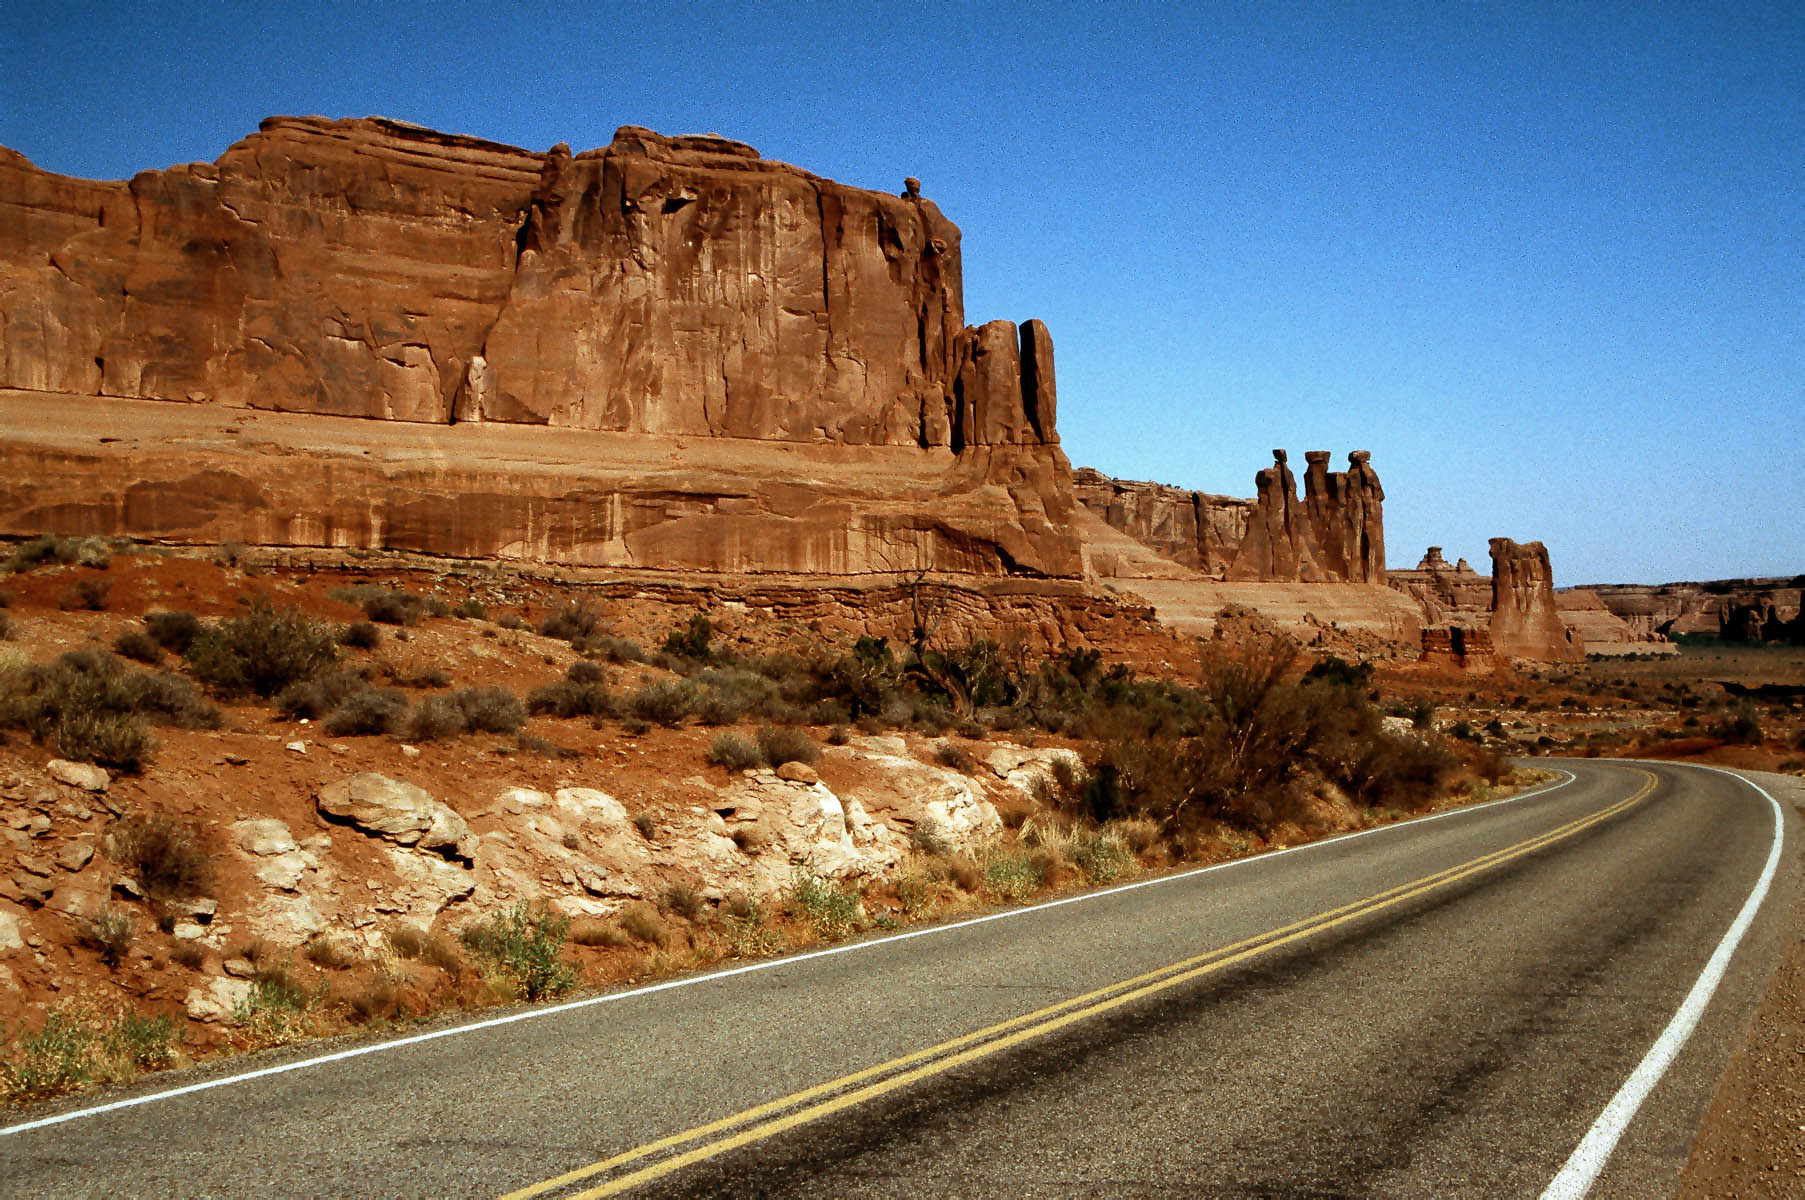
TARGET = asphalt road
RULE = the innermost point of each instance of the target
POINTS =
(1441, 1008)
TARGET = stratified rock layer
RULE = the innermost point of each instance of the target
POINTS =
(681, 289)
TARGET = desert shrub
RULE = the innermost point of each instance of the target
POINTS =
(367, 713)
(522, 946)
(572, 623)
(174, 630)
(262, 650)
(489, 709)
(931, 836)
(390, 606)
(1740, 727)
(692, 641)
(56, 548)
(1100, 856)
(831, 911)
(120, 741)
(666, 701)
(1013, 873)
(646, 825)
(90, 594)
(314, 698)
(642, 923)
(1400, 771)
(684, 900)
(469, 609)
(839, 735)
(89, 705)
(780, 745)
(379, 1000)
(332, 953)
(360, 635)
(593, 931)
(612, 649)
(572, 697)
(276, 1009)
(72, 1048)
(584, 671)
(728, 695)
(1490, 766)
(138, 646)
(189, 954)
(511, 621)
(433, 718)
(734, 752)
(952, 754)
(169, 860)
(748, 933)
(410, 941)
(110, 932)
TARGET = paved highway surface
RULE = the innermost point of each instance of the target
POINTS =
(1440, 1008)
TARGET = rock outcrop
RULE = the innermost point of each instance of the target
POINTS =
(1525, 621)
(1734, 609)
(1335, 534)
(673, 288)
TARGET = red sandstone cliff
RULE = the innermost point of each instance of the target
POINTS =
(662, 287)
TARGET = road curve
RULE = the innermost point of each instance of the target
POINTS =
(1438, 1008)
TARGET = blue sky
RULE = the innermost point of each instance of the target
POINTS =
(1545, 261)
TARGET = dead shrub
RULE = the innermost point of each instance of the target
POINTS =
(189, 954)
(641, 922)
(110, 932)
(332, 953)
(572, 623)
(965, 874)
(168, 859)
(432, 948)
(593, 931)
(955, 756)
(684, 900)
(379, 1000)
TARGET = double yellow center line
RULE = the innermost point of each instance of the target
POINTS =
(824, 1099)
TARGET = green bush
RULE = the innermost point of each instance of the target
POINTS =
(522, 946)
(262, 651)
(832, 911)
(692, 641)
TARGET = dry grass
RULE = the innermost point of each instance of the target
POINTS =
(642, 922)
(595, 931)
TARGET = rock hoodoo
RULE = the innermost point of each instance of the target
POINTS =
(1525, 621)
(1335, 534)
(675, 288)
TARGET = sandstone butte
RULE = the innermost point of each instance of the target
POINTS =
(668, 357)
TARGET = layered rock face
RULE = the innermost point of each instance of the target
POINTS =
(1525, 622)
(665, 287)
(1734, 609)
(1335, 534)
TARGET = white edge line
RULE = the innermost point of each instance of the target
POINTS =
(765, 965)
(1575, 1179)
